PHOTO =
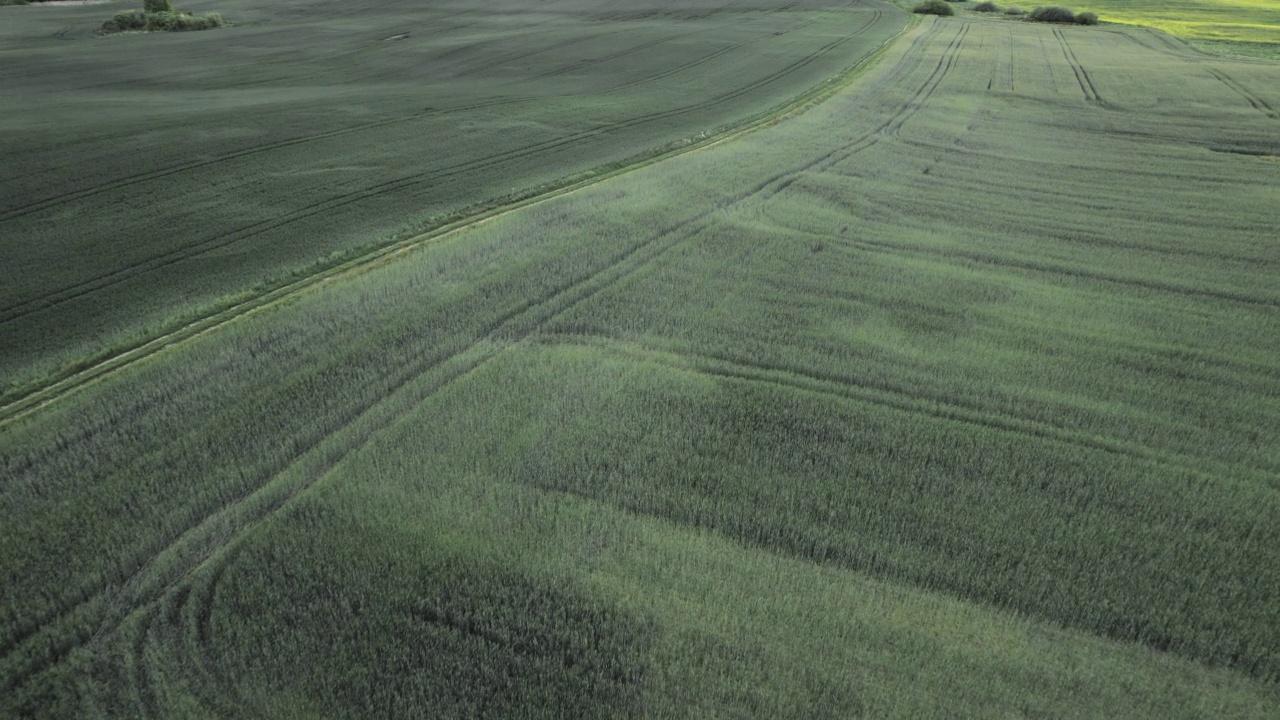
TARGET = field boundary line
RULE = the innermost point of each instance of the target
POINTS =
(43, 393)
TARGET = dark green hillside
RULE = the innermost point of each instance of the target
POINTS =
(147, 176)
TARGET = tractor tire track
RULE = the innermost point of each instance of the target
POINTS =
(1250, 97)
(1049, 64)
(463, 48)
(644, 46)
(890, 126)
(141, 685)
(46, 203)
(1087, 87)
(1131, 34)
(195, 638)
(947, 62)
(1013, 85)
(521, 56)
(725, 50)
(613, 56)
(360, 57)
(888, 395)
(786, 8)
(779, 182)
(490, 339)
(917, 251)
(1161, 42)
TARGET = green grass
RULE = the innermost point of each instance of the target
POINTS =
(954, 396)
(151, 177)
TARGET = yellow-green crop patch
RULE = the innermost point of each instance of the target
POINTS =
(1252, 21)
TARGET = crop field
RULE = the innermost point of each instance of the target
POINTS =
(954, 395)
(150, 177)
(1249, 21)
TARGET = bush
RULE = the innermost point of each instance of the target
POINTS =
(1015, 10)
(125, 20)
(933, 7)
(160, 20)
(1053, 14)
(986, 7)
(183, 22)
(1087, 18)
(157, 6)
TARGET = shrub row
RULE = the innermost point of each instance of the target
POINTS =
(127, 20)
(933, 7)
(1059, 14)
(1053, 14)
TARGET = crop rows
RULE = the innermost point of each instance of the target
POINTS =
(912, 405)
(158, 236)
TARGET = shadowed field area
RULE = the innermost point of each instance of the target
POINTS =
(148, 177)
(954, 396)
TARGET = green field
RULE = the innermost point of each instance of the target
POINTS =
(148, 177)
(955, 395)
(1248, 21)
